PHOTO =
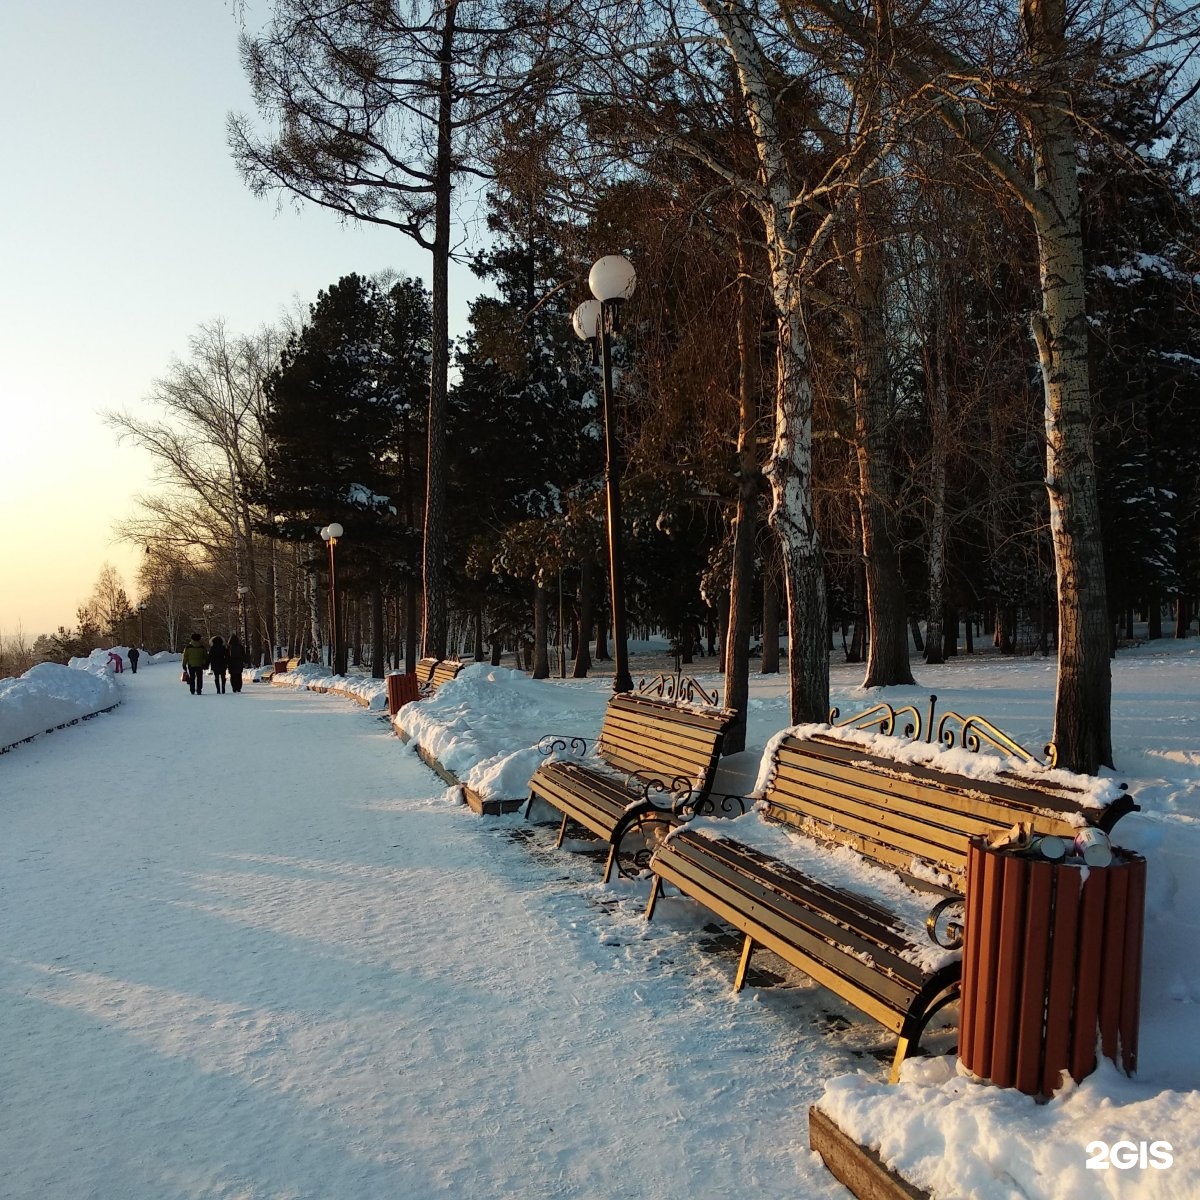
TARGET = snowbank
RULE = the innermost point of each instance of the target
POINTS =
(485, 724)
(953, 1136)
(50, 695)
(370, 693)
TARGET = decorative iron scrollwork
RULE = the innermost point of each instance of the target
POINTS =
(678, 789)
(974, 731)
(637, 834)
(882, 717)
(718, 804)
(971, 734)
(554, 743)
(677, 689)
(948, 935)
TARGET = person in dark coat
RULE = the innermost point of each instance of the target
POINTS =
(134, 652)
(237, 660)
(195, 657)
(218, 661)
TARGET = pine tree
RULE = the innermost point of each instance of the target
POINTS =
(341, 411)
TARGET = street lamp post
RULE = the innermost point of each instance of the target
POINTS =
(243, 592)
(331, 533)
(612, 280)
(208, 608)
(142, 624)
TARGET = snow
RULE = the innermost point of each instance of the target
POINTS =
(251, 947)
(49, 695)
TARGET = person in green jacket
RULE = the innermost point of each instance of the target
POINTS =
(195, 659)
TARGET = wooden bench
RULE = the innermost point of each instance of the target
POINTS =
(647, 747)
(914, 820)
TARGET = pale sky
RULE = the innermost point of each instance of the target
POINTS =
(123, 227)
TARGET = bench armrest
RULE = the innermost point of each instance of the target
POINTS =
(554, 743)
(674, 795)
(720, 804)
(944, 925)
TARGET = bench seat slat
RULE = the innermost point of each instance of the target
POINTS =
(829, 969)
(846, 905)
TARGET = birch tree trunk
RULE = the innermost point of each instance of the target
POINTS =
(789, 468)
(1083, 698)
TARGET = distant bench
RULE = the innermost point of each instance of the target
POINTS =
(433, 672)
(647, 747)
(911, 819)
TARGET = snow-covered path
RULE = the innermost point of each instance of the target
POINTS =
(249, 949)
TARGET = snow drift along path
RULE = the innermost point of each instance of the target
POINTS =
(249, 949)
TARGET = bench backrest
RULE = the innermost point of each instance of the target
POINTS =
(425, 669)
(445, 670)
(901, 813)
(663, 741)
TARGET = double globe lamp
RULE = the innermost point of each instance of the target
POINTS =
(612, 280)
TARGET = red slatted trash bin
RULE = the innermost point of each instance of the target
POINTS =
(1052, 962)
(401, 689)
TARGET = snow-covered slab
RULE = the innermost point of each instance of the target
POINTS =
(370, 693)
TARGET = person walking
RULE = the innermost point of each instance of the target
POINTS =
(218, 661)
(237, 661)
(195, 658)
(134, 654)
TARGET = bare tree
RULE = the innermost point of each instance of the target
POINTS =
(206, 439)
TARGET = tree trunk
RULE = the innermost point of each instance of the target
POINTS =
(887, 650)
(434, 550)
(736, 657)
(770, 629)
(914, 632)
(587, 618)
(949, 631)
(789, 468)
(541, 650)
(939, 403)
(602, 636)
(378, 640)
(477, 649)
(1083, 701)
